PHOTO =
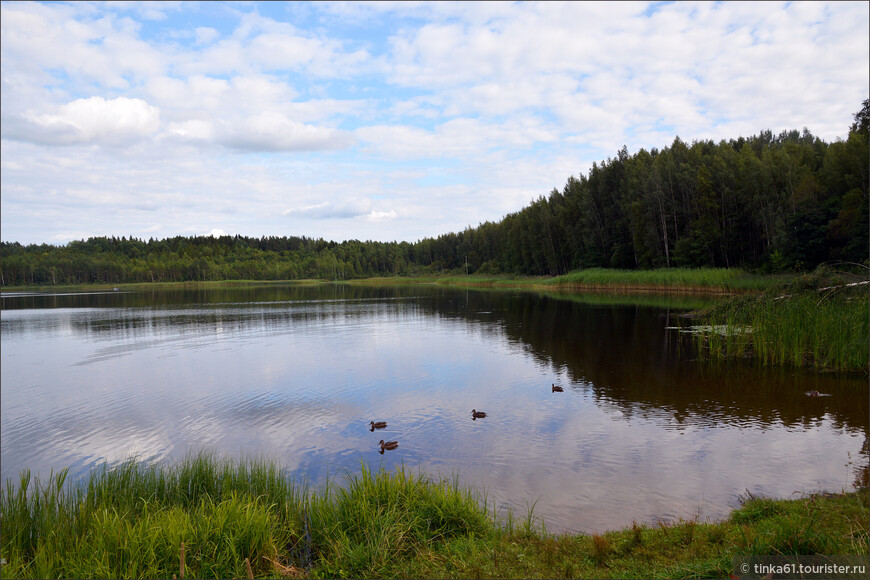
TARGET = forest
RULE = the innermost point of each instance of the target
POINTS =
(768, 203)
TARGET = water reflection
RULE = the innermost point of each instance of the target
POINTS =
(640, 432)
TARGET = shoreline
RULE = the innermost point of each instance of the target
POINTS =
(244, 519)
(793, 324)
(667, 280)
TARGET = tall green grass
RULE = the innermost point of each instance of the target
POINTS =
(135, 520)
(688, 279)
(826, 329)
(375, 519)
(209, 517)
(662, 279)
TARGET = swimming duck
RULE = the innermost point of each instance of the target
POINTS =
(813, 393)
(475, 414)
(387, 445)
(378, 425)
(557, 389)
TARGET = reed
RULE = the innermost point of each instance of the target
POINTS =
(825, 330)
(686, 279)
(600, 549)
(717, 280)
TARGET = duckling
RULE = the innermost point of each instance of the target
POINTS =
(390, 445)
(475, 414)
(378, 425)
(557, 389)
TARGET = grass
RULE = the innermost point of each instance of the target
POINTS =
(817, 321)
(673, 279)
(719, 280)
(132, 521)
(209, 517)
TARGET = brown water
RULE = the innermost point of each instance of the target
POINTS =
(643, 430)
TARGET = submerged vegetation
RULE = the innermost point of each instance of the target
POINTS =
(206, 517)
(819, 320)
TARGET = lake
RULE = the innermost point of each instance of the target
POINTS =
(643, 431)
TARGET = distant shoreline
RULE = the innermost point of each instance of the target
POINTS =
(812, 320)
(680, 280)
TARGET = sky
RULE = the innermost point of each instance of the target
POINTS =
(385, 121)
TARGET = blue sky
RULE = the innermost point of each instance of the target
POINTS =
(382, 120)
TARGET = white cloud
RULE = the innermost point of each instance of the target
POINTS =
(249, 113)
(94, 120)
(193, 130)
(350, 208)
(382, 216)
(205, 35)
(272, 131)
(87, 50)
(261, 44)
(614, 63)
(456, 138)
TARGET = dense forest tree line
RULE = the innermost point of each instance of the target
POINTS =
(117, 260)
(770, 202)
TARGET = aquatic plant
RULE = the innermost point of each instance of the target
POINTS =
(824, 327)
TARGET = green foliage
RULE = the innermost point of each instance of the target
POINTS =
(862, 118)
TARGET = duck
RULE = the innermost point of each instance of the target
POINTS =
(389, 445)
(377, 425)
(813, 393)
(557, 389)
(475, 414)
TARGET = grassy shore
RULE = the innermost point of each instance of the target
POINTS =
(701, 280)
(206, 517)
(674, 279)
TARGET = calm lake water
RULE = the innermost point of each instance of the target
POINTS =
(643, 430)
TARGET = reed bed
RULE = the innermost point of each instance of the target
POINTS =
(682, 279)
(209, 517)
(825, 329)
(720, 280)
